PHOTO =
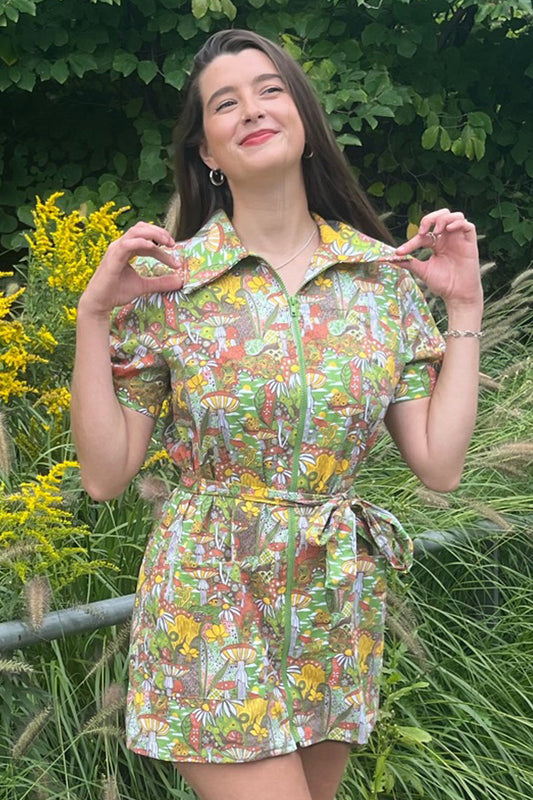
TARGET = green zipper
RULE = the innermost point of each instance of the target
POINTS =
(294, 311)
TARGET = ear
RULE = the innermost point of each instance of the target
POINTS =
(208, 160)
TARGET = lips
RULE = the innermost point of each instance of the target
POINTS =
(258, 137)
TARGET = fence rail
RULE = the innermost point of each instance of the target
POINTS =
(104, 613)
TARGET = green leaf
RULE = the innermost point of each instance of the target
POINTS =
(70, 174)
(199, 8)
(529, 71)
(392, 697)
(458, 147)
(406, 47)
(175, 78)
(25, 214)
(108, 191)
(173, 70)
(60, 37)
(5, 80)
(229, 9)
(167, 21)
(147, 70)
(382, 111)
(82, 63)
(411, 735)
(120, 162)
(8, 223)
(124, 62)
(374, 34)
(348, 138)
(479, 148)
(151, 167)
(399, 193)
(152, 136)
(8, 53)
(355, 123)
(27, 81)
(445, 140)
(336, 28)
(187, 27)
(376, 189)
(27, 7)
(11, 13)
(59, 71)
(478, 119)
(429, 137)
(43, 69)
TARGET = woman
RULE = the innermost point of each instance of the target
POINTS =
(258, 629)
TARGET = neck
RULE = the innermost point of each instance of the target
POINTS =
(271, 221)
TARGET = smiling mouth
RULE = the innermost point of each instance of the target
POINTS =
(258, 138)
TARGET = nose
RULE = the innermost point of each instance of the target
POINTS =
(251, 109)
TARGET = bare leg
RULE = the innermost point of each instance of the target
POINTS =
(324, 764)
(278, 778)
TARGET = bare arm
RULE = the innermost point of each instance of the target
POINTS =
(111, 440)
(433, 433)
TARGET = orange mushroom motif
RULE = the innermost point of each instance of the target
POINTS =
(221, 402)
(219, 323)
(203, 574)
(240, 655)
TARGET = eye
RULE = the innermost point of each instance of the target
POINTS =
(224, 105)
(272, 90)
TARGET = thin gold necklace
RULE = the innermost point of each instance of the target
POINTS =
(302, 248)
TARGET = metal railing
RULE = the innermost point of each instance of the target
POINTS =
(104, 613)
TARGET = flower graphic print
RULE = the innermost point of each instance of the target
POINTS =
(258, 621)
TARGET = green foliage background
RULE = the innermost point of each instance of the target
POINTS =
(430, 98)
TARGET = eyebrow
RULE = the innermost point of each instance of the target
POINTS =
(266, 76)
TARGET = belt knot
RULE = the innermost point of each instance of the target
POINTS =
(334, 522)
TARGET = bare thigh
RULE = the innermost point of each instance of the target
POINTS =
(324, 764)
(277, 778)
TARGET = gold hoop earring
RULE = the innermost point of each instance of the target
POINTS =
(216, 177)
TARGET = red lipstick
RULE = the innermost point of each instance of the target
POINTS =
(258, 137)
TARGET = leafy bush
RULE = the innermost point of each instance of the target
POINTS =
(430, 98)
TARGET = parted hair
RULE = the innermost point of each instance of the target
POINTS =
(332, 190)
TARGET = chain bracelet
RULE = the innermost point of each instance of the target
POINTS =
(454, 334)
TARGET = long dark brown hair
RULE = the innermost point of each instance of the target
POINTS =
(331, 188)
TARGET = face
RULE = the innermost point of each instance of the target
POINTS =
(251, 123)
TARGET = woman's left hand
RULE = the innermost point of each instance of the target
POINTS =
(452, 270)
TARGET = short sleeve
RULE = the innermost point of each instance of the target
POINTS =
(140, 373)
(423, 345)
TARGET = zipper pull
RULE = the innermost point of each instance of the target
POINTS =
(293, 306)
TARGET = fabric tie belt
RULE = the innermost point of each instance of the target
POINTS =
(331, 522)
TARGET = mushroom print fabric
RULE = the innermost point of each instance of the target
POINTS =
(258, 621)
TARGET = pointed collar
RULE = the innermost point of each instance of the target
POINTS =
(216, 248)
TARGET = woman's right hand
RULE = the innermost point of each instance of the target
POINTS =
(116, 283)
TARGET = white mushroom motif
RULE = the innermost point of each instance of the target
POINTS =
(240, 654)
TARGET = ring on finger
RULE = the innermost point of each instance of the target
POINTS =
(433, 237)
